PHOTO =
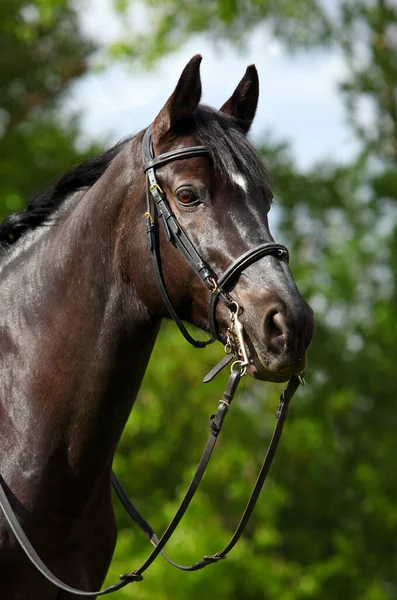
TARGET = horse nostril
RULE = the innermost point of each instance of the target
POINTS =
(275, 330)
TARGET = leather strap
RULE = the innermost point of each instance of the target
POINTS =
(150, 161)
(281, 415)
(151, 228)
(241, 263)
(35, 558)
(216, 422)
(173, 231)
(218, 367)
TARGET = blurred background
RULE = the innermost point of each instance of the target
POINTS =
(77, 76)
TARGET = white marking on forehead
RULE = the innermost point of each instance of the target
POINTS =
(239, 180)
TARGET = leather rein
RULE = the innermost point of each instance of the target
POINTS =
(158, 210)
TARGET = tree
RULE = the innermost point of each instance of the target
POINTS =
(296, 22)
(42, 51)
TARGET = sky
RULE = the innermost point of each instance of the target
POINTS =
(299, 99)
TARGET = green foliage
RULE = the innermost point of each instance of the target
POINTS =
(299, 23)
(42, 51)
(367, 36)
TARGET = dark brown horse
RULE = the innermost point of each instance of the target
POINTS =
(81, 309)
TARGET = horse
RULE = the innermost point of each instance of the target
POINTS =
(82, 302)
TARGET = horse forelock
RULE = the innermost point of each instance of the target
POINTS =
(234, 157)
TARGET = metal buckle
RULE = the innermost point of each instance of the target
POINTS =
(214, 285)
(147, 214)
(156, 185)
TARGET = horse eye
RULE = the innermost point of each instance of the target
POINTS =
(187, 196)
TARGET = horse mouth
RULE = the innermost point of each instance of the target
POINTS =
(268, 361)
(265, 367)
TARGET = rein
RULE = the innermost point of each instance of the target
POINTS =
(235, 346)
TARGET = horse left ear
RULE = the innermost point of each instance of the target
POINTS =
(182, 103)
(242, 104)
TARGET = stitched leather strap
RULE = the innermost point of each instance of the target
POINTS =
(241, 263)
(281, 415)
(35, 558)
(173, 231)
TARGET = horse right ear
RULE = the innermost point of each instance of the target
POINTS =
(242, 104)
(182, 103)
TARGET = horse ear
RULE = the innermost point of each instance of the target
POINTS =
(242, 104)
(182, 103)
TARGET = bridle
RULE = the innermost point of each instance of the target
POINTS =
(158, 210)
(217, 285)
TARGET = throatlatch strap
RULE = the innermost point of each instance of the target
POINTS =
(173, 231)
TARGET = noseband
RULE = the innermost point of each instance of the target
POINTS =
(218, 288)
(217, 285)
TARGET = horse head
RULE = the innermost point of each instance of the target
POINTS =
(206, 180)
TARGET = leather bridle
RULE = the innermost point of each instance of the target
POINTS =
(218, 287)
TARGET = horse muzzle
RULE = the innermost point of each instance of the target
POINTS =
(277, 340)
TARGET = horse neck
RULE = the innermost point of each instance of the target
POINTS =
(83, 335)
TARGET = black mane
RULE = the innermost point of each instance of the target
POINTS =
(45, 203)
